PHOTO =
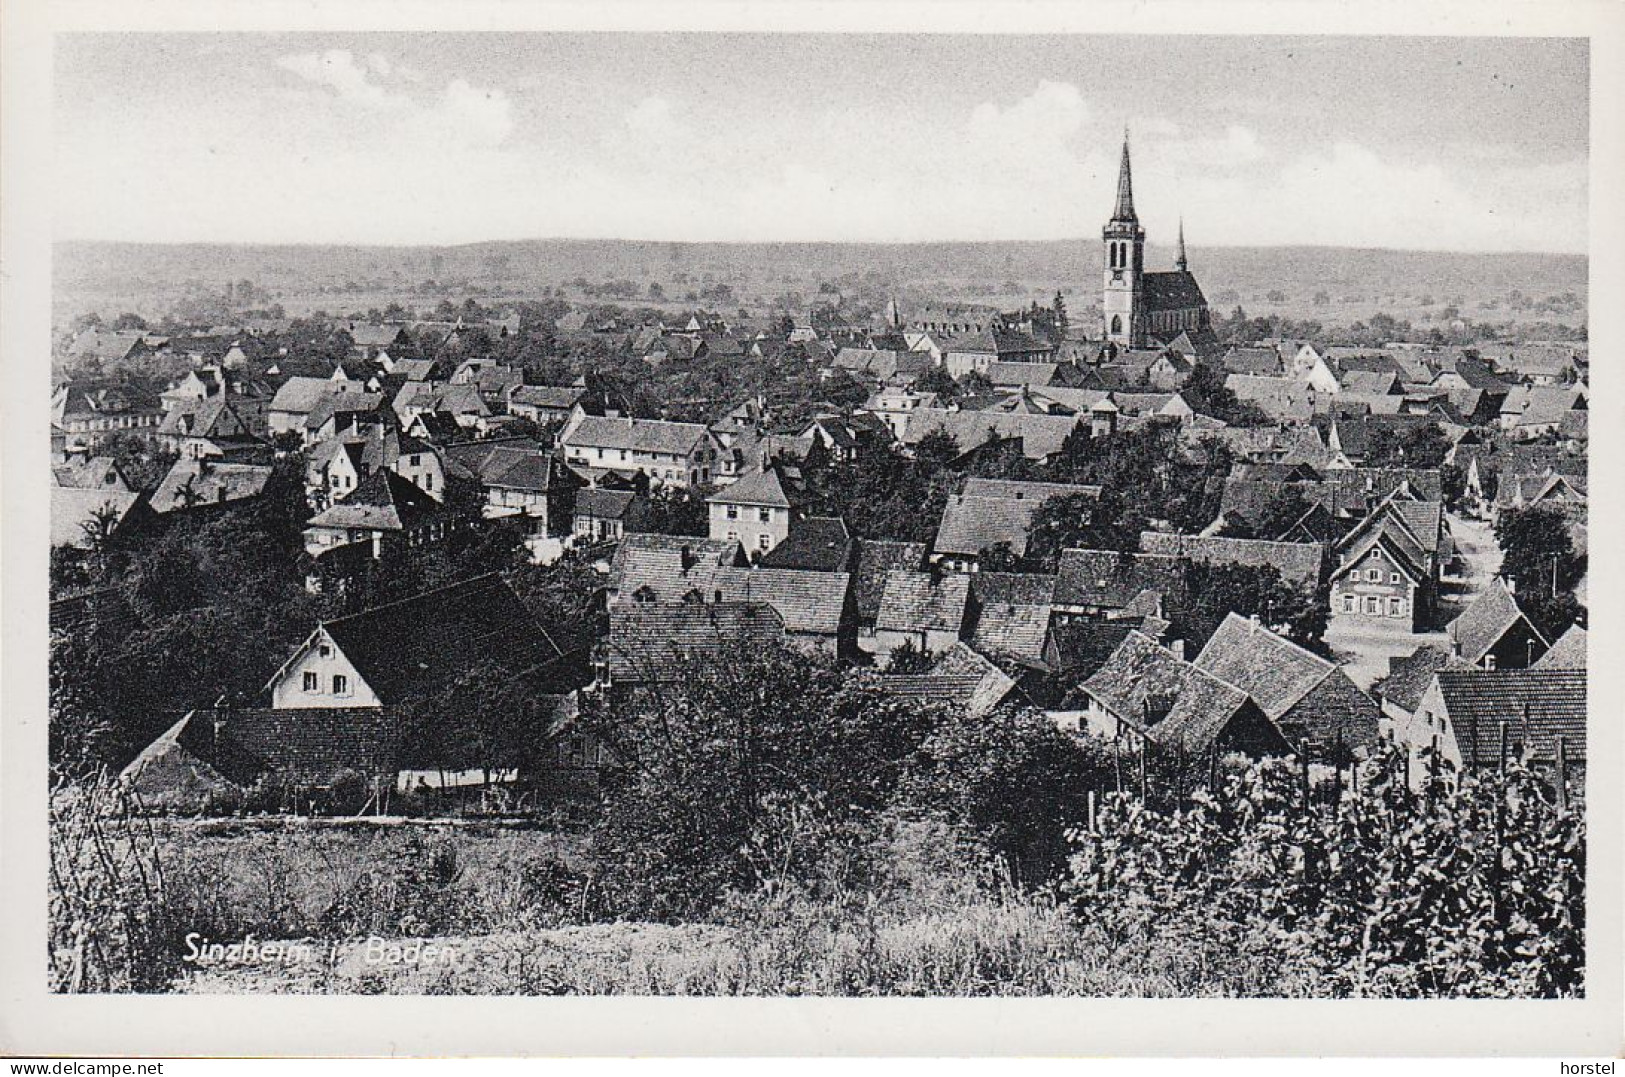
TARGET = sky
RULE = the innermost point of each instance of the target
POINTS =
(1411, 143)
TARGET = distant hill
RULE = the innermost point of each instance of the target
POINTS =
(93, 275)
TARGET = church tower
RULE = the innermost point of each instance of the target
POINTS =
(1123, 302)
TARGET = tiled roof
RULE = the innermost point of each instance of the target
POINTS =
(1569, 652)
(1111, 579)
(660, 644)
(922, 601)
(299, 395)
(555, 397)
(96, 473)
(1172, 702)
(1012, 629)
(809, 602)
(1173, 290)
(1256, 361)
(304, 745)
(384, 501)
(972, 524)
(876, 558)
(1084, 644)
(1373, 382)
(210, 483)
(1274, 671)
(1041, 435)
(421, 642)
(1006, 373)
(1298, 562)
(604, 504)
(660, 564)
(1408, 678)
(1021, 588)
(817, 543)
(637, 435)
(762, 487)
(1018, 489)
(71, 507)
(959, 678)
(1486, 619)
(1554, 701)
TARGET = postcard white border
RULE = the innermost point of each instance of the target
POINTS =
(33, 1021)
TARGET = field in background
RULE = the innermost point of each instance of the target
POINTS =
(113, 277)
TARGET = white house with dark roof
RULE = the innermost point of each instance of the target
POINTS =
(675, 454)
(758, 511)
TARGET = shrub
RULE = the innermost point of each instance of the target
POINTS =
(1475, 893)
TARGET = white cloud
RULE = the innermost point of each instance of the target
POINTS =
(338, 70)
(1051, 112)
(483, 117)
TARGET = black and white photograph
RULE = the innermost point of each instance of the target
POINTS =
(951, 515)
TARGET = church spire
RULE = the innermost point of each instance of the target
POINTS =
(1125, 186)
(1180, 263)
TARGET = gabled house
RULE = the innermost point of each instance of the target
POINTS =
(299, 397)
(875, 559)
(759, 510)
(653, 645)
(1309, 699)
(207, 428)
(653, 569)
(387, 512)
(520, 479)
(545, 405)
(992, 512)
(194, 484)
(676, 454)
(1530, 411)
(926, 609)
(1146, 693)
(959, 679)
(1468, 718)
(1493, 633)
(601, 515)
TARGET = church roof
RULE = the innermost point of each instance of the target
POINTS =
(1125, 187)
(1173, 290)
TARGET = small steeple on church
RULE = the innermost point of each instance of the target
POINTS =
(1147, 310)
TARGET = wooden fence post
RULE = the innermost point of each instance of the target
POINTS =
(1303, 772)
(1144, 760)
(1501, 747)
(1433, 767)
(1562, 773)
(1117, 760)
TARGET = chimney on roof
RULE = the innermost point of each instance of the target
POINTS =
(1178, 649)
(687, 559)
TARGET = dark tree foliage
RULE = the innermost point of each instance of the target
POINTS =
(752, 770)
(1148, 469)
(1423, 446)
(884, 494)
(1538, 552)
(1011, 779)
(140, 460)
(1214, 591)
(1081, 521)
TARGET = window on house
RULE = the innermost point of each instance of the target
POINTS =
(341, 684)
(764, 541)
(1348, 603)
(1393, 577)
(765, 515)
(733, 536)
(1373, 574)
(1396, 607)
(1373, 604)
(733, 512)
(312, 682)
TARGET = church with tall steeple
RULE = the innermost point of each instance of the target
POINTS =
(1148, 310)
